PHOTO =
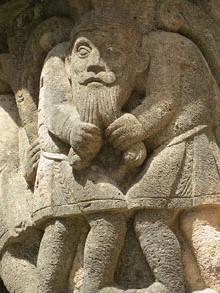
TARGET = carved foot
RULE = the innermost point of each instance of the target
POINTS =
(154, 288)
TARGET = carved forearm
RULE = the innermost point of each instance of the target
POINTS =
(154, 116)
(62, 120)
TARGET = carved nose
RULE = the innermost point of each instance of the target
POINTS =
(96, 68)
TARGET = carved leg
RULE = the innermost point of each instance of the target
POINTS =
(56, 254)
(102, 249)
(18, 265)
(161, 248)
(201, 227)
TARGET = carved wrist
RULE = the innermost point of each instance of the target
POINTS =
(141, 126)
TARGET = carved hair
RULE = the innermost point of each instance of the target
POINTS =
(108, 19)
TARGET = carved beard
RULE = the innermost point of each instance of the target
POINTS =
(101, 105)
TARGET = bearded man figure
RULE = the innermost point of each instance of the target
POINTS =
(80, 174)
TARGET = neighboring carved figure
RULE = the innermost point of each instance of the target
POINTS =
(19, 240)
(182, 169)
(200, 225)
(14, 213)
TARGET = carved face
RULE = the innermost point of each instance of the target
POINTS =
(103, 74)
(102, 58)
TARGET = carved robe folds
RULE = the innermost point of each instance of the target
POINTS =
(183, 173)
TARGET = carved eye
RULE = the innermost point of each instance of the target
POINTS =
(83, 51)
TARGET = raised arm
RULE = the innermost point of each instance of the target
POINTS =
(163, 91)
(162, 97)
(56, 105)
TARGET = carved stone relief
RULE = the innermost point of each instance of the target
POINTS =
(110, 159)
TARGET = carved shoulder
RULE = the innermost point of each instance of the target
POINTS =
(54, 84)
(173, 47)
(178, 54)
(174, 57)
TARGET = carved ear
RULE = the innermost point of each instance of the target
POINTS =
(68, 66)
(143, 58)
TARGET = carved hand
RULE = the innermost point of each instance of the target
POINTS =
(86, 140)
(125, 132)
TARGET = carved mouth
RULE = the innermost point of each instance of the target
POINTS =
(94, 80)
(100, 78)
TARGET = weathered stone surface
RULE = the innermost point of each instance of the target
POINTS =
(110, 159)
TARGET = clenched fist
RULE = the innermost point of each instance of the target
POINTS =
(86, 140)
(124, 132)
